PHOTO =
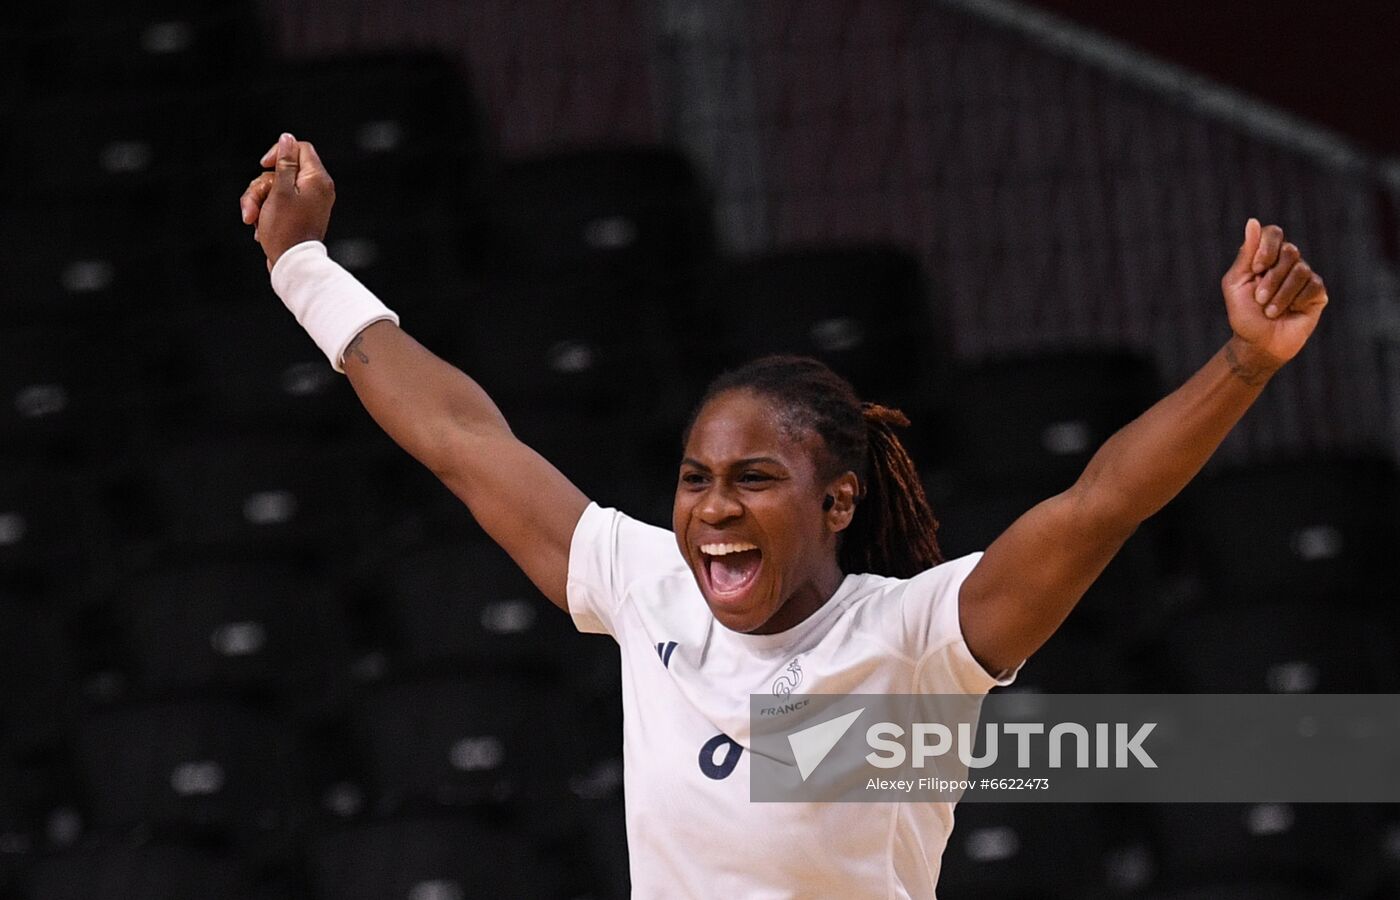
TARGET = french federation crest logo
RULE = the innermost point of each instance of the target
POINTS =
(786, 684)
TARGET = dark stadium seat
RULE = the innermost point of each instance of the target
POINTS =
(1324, 529)
(19, 826)
(414, 262)
(1074, 661)
(637, 212)
(1243, 889)
(609, 459)
(863, 309)
(1125, 602)
(36, 814)
(615, 461)
(1315, 847)
(483, 740)
(470, 605)
(591, 345)
(38, 680)
(432, 858)
(401, 139)
(1005, 851)
(63, 392)
(1036, 420)
(220, 265)
(133, 870)
(1389, 846)
(254, 630)
(605, 458)
(335, 776)
(384, 110)
(135, 147)
(12, 68)
(606, 840)
(1290, 646)
(252, 367)
(583, 373)
(138, 44)
(215, 770)
(290, 496)
(52, 529)
(417, 506)
(84, 262)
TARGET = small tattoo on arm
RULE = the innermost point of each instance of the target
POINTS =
(355, 348)
(1251, 374)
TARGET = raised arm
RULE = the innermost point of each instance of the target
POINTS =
(439, 415)
(1032, 575)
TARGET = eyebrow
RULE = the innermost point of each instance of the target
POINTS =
(746, 461)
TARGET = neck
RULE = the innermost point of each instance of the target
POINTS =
(810, 596)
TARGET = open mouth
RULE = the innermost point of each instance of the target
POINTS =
(730, 568)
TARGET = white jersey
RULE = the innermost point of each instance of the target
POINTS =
(686, 681)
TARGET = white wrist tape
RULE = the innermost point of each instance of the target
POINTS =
(330, 303)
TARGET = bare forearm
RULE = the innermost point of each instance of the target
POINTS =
(1147, 462)
(440, 416)
(420, 401)
(1032, 575)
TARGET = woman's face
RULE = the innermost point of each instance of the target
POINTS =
(748, 515)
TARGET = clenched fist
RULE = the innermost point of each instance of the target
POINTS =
(290, 204)
(1272, 295)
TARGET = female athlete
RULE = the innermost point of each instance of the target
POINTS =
(802, 557)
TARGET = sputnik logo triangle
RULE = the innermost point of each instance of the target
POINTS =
(812, 744)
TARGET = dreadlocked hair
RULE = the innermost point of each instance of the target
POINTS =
(893, 531)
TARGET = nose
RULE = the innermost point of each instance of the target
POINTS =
(718, 505)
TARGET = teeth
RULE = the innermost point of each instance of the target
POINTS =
(722, 549)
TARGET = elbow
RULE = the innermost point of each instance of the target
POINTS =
(1113, 515)
(454, 447)
(447, 449)
(441, 454)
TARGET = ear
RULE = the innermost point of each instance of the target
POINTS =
(843, 490)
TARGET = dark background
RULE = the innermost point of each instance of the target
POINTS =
(249, 648)
(1330, 63)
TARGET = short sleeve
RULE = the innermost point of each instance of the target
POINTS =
(609, 551)
(934, 631)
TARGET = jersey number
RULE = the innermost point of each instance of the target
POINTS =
(722, 769)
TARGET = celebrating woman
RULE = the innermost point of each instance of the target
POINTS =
(802, 556)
